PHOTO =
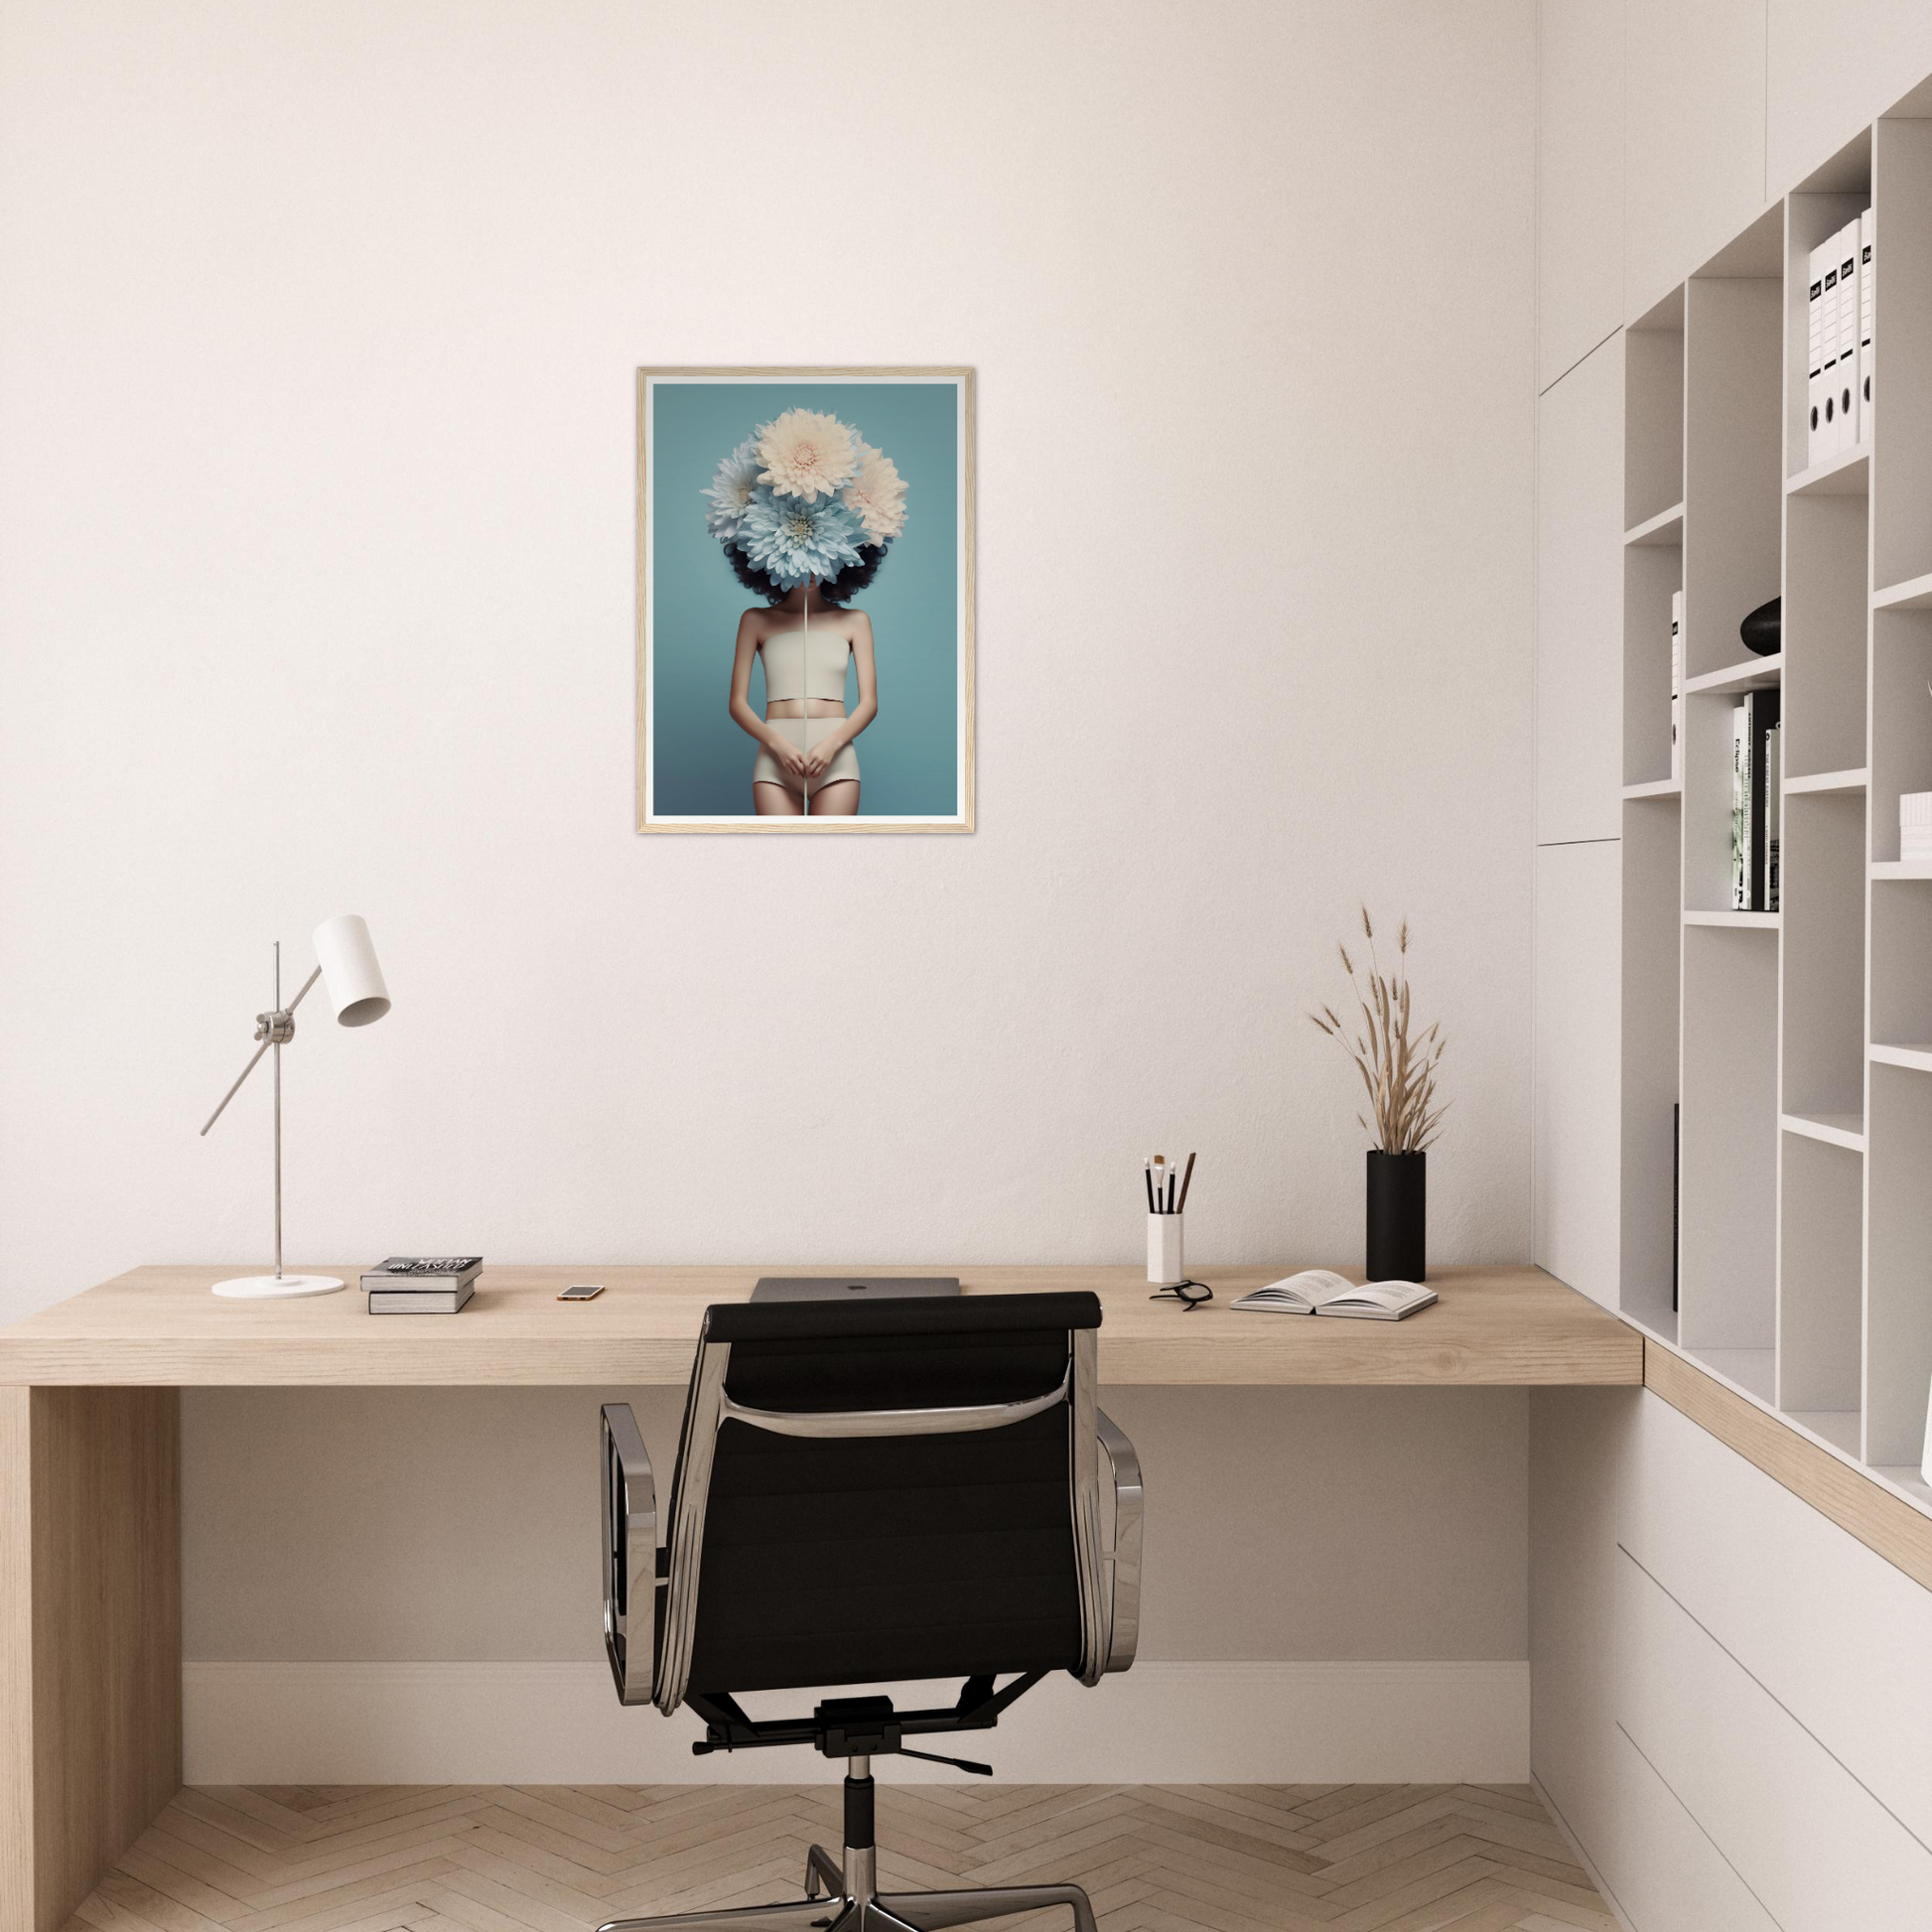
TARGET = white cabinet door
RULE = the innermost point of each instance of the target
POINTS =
(1578, 180)
(1817, 1850)
(1692, 137)
(1658, 1864)
(1781, 1586)
(1575, 1113)
(1580, 601)
(1833, 66)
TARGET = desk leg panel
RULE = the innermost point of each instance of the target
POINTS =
(90, 1637)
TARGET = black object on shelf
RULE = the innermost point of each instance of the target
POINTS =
(1676, 1193)
(1398, 1217)
(1764, 630)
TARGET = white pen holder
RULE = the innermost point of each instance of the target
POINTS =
(1164, 1249)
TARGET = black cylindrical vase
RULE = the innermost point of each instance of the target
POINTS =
(1398, 1217)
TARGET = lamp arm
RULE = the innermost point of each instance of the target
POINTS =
(270, 1035)
(237, 1088)
(306, 983)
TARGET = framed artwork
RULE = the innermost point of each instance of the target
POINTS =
(804, 600)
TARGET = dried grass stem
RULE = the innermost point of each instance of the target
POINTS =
(1398, 1067)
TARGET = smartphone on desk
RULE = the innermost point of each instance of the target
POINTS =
(581, 1292)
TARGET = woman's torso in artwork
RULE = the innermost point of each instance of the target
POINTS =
(809, 660)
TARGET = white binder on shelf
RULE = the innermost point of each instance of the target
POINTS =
(1847, 335)
(1827, 435)
(1865, 304)
(1815, 444)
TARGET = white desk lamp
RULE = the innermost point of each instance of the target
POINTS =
(352, 981)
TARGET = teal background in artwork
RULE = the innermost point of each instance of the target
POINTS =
(908, 756)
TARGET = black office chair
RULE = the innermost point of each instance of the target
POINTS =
(865, 1494)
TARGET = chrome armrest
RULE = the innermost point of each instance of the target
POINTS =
(1124, 1558)
(629, 1555)
(842, 1422)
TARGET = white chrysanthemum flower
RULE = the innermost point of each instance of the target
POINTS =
(731, 490)
(806, 454)
(877, 493)
(792, 541)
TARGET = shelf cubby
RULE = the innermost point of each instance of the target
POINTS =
(1901, 719)
(1652, 952)
(1901, 963)
(1821, 1257)
(1652, 573)
(1733, 482)
(1899, 1311)
(1826, 612)
(1822, 922)
(1707, 802)
(1730, 1084)
(1653, 434)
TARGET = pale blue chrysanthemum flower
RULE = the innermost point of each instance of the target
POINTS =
(731, 490)
(793, 540)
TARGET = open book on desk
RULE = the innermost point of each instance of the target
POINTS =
(1321, 1291)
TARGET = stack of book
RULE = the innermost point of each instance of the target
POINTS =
(422, 1284)
(1754, 804)
(1839, 363)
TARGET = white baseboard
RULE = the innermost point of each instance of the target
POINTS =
(561, 1724)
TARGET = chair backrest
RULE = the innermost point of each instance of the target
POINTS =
(885, 1491)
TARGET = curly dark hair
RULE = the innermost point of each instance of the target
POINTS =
(841, 590)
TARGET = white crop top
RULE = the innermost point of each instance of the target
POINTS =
(786, 669)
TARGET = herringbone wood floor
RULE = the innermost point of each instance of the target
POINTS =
(562, 1857)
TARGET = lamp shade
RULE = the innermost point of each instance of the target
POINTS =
(349, 975)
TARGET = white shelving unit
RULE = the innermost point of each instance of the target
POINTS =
(1797, 1044)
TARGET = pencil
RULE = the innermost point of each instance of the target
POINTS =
(1186, 1181)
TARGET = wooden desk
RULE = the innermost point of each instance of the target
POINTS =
(161, 1328)
(89, 1462)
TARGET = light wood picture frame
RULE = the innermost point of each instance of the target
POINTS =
(705, 595)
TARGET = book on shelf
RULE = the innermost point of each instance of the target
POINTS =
(423, 1274)
(1741, 811)
(1676, 687)
(1751, 723)
(1321, 1291)
(1760, 719)
(1676, 1193)
(1773, 808)
(420, 1300)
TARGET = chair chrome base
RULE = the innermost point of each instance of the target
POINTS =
(851, 1905)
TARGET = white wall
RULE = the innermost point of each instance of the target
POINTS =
(317, 340)
(316, 490)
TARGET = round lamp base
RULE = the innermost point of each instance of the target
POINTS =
(276, 1287)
